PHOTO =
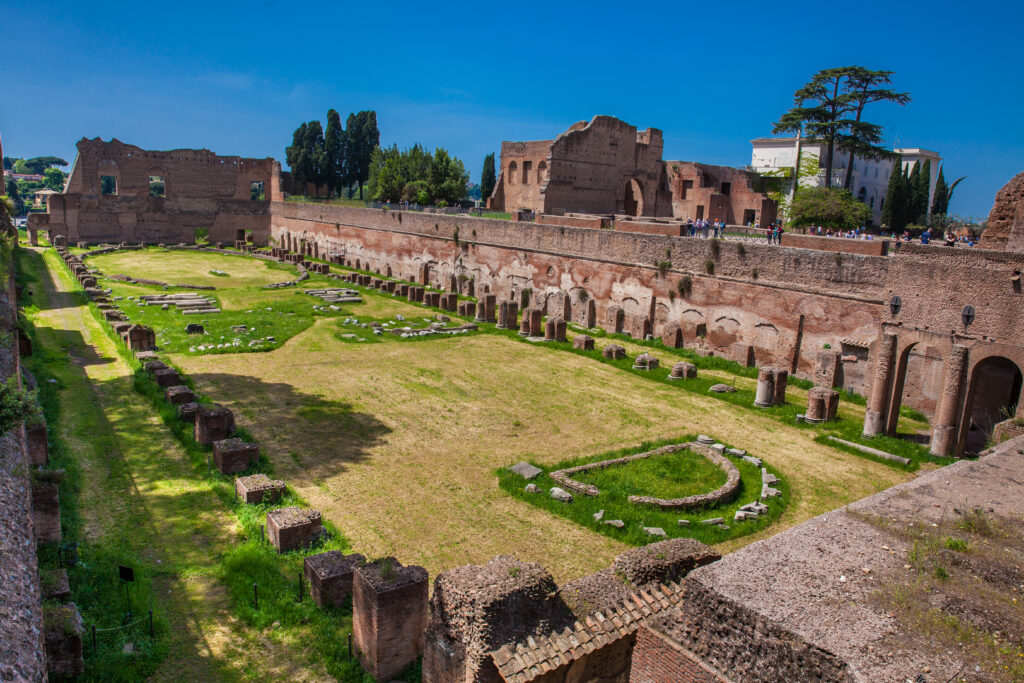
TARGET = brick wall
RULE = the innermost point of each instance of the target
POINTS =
(656, 659)
(837, 244)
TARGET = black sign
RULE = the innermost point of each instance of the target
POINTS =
(126, 573)
(967, 315)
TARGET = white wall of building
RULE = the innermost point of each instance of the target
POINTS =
(870, 177)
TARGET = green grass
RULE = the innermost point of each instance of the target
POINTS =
(683, 473)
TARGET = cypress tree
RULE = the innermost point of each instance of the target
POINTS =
(314, 155)
(894, 210)
(333, 159)
(924, 185)
(295, 156)
(914, 193)
(939, 204)
(487, 177)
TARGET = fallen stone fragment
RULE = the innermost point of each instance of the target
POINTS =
(561, 494)
(525, 470)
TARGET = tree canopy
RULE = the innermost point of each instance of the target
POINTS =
(829, 207)
(488, 178)
(829, 107)
(334, 159)
(415, 175)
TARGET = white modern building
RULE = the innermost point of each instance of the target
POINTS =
(870, 177)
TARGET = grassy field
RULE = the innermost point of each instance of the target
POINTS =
(193, 268)
(136, 495)
(397, 441)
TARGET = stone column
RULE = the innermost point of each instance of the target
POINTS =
(944, 434)
(765, 395)
(878, 406)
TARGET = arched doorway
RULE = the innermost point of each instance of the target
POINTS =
(994, 395)
(633, 202)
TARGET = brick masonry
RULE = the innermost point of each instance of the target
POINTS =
(389, 616)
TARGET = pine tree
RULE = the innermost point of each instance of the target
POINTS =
(939, 205)
(487, 177)
(334, 162)
(893, 211)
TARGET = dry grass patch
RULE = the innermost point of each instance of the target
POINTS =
(193, 268)
(397, 442)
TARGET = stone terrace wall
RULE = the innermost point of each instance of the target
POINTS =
(847, 246)
(21, 617)
(786, 303)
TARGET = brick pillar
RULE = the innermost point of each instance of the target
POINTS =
(781, 380)
(947, 417)
(878, 406)
(524, 327)
(489, 304)
(389, 616)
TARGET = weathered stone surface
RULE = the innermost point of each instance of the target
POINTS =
(213, 423)
(683, 370)
(526, 470)
(259, 488)
(654, 531)
(1006, 219)
(645, 361)
(63, 640)
(582, 341)
(330, 576)
(722, 389)
(231, 456)
(614, 352)
(532, 488)
(561, 494)
(291, 528)
(389, 616)
(166, 377)
(179, 394)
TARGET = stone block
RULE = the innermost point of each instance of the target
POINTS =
(232, 456)
(534, 319)
(614, 352)
(213, 423)
(292, 528)
(62, 641)
(525, 470)
(582, 341)
(259, 488)
(187, 412)
(46, 511)
(166, 377)
(672, 335)
(508, 315)
(683, 370)
(554, 329)
(645, 361)
(154, 365)
(330, 576)
(54, 585)
(389, 616)
(178, 394)
(37, 444)
(490, 306)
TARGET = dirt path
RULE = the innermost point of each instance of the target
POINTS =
(139, 491)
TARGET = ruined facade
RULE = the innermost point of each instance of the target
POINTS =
(1006, 220)
(122, 193)
(607, 167)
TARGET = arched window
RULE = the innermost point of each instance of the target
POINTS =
(110, 177)
(513, 170)
(863, 194)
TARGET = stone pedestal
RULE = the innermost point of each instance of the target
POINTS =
(781, 381)
(292, 528)
(490, 307)
(450, 301)
(480, 312)
(508, 315)
(554, 329)
(582, 341)
(534, 328)
(62, 641)
(259, 488)
(467, 309)
(46, 511)
(683, 370)
(765, 394)
(187, 412)
(645, 361)
(38, 446)
(232, 456)
(330, 576)
(213, 423)
(389, 616)
(822, 404)
(178, 394)
(166, 377)
(614, 352)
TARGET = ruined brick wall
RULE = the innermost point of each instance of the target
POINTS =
(847, 246)
(739, 643)
(522, 176)
(657, 659)
(1006, 219)
(718, 193)
(21, 617)
(201, 190)
(786, 303)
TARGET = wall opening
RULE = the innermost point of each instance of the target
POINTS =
(700, 211)
(633, 201)
(726, 189)
(687, 186)
(157, 188)
(863, 195)
(542, 169)
(256, 192)
(513, 170)
(994, 396)
(749, 216)
(527, 167)
(108, 185)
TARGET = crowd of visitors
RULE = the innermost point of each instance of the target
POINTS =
(705, 228)
(926, 237)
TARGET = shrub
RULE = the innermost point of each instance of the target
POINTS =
(741, 250)
(684, 285)
(753, 273)
(709, 267)
(714, 248)
(17, 405)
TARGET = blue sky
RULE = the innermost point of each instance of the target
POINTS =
(238, 78)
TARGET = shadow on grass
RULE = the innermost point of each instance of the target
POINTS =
(295, 418)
